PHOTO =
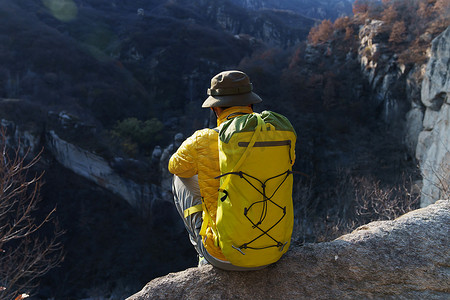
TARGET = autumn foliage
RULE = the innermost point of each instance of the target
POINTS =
(321, 33)
(408, 25)
(398, 32)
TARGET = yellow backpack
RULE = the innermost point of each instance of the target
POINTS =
(255, 210)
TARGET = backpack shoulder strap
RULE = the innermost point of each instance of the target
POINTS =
(260, 127)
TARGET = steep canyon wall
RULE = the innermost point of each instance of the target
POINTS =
(422, 93)
(86, 164)
(433, 143)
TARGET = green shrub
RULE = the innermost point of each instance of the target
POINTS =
(137, 134)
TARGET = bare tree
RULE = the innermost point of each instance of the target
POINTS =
(443, 181)
(348, 203)
(25, 255)
(375, 202)
(439, 178)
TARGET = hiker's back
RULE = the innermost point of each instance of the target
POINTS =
(255, 211)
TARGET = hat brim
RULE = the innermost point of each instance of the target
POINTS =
(232, 100)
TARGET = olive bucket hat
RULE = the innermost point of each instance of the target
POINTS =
(231, 88)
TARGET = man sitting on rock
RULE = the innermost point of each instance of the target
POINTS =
(196, 166)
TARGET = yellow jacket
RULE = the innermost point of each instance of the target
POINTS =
(199, 154)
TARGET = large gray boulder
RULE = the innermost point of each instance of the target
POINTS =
(407, 258)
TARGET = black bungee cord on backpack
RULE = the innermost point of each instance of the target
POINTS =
(264, 209)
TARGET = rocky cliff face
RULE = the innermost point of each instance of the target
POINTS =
(407, 258)
(85, 163)
(383, 72)
(98, 170)
(421, 93)
(324, 9)
(433, 145)
(258, 19)
(29, 139)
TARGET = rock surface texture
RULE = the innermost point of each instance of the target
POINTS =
(433, 147)
(407, 258)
